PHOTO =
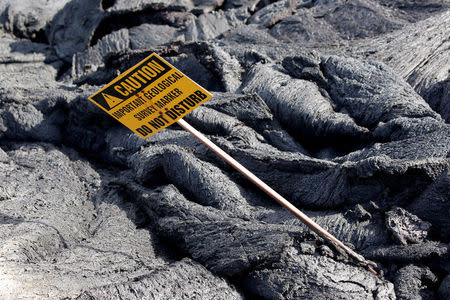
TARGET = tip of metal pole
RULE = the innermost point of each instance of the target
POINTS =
(372, 270)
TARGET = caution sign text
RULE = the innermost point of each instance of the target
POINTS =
(150, 96)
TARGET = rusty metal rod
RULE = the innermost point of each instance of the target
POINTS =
(272, 193)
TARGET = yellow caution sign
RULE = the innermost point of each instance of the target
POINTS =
(150, 96)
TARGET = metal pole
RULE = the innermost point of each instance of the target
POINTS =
(280, 199)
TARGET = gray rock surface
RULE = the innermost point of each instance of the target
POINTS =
(29, 19)
(444, 289)
(211, 25)
(340, 106)
(72, 27)
(306, 111)
(54, 217)
(88, 61)
(148, 35)
(406, 227)
(433, 204)
(421, 57)
(411, 283)
(181, 280)
(304, 271)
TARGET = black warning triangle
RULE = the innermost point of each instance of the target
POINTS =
(111, 100)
